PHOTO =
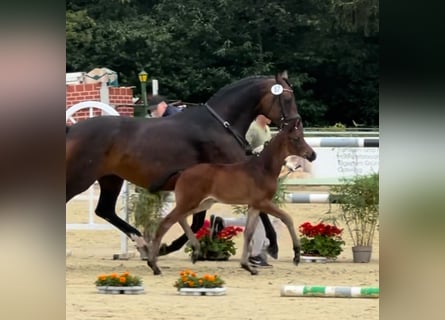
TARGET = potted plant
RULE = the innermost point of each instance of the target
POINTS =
(146, 210)
(115, 283)
(220, 246)
(320, 240)
(358, 198)
(189, 283)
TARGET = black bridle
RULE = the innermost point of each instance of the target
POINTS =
(241, 140)
(283, 117)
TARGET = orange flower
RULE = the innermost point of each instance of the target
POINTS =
(102, 277)
(114, 275)
(122, 279)
(210, 278)
(190, 279)
(125, 274)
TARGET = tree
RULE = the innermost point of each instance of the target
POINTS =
(329, 48)
(78, 38)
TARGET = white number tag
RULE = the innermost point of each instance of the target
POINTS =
(277, 89)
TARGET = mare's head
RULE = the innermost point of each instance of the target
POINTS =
(278, 102)
(293, 137)
(245, 99)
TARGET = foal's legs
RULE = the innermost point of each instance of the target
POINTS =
(197, 223)
(110, 187)
(174, 216)
(272, 249)
(251, 223)
(194, 242)
(272, 209)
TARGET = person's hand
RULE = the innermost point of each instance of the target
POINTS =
(258, 149)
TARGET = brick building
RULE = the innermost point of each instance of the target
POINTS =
(78, 90)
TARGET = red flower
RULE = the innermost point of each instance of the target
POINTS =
(321, 239)
(204, 231)
(309, 230)
(229, 232)
(206, 224)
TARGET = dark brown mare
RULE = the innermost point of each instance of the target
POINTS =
(252, 182)
(110, 149)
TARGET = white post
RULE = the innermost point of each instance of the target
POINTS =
(124, 215)
(104, 94)
(155, 87)
(91, 205)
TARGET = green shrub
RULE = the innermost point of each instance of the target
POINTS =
(146, 210)
(358, 198)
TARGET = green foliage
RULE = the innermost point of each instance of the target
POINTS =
(189, 279)
(279, 196)
(146, 209)
(321, 245)
(321, 239)
(336, 127)
(359, 202)
(356, 16)
(118, 280)
(329, 48)
(223, 247)
(79, 37)
(218, 246)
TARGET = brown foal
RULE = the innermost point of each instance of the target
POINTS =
(252, 182)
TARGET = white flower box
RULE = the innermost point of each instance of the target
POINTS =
(314, 259)
(202, 291)
(120, 290)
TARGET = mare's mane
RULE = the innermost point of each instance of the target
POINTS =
(241, 84)
(226, 95)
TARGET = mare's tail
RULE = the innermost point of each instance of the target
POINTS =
(158, 184)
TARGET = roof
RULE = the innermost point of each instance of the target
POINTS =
(75, 77)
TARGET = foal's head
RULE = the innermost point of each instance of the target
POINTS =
(294, 140)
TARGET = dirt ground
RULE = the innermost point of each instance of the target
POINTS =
(248, 297)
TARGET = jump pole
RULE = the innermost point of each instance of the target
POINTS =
(343, 142)
(307, 197)
(290, 198)
(329, 291)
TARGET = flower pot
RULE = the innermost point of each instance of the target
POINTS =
(361, 254)
(120, 290)
(202, 291)
(314, 259)
(214, 256)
